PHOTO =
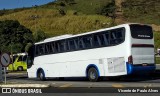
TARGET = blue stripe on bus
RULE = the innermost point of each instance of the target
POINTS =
(92, 65)
(129, 68)
(143, 69)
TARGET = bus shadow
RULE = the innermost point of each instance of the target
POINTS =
(130, 78)
(138, 78)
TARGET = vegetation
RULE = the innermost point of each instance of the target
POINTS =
(142, 11)
(10, 11)
(14, 36)
(77, 16)
(157, 39)
(39, 35)
(28, 46)
(157, 60)
(109, 9)
(53, 23)
(83, 6)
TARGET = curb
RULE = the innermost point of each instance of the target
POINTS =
(26, 85)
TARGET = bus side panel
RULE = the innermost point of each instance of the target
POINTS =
(81, 69)
(115, 66)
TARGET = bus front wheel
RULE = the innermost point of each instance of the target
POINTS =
(41, 75)
(93, 75)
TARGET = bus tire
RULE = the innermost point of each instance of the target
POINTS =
(41, 75)
(93, 75)
(20, 68)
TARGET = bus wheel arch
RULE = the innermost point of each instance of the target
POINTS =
(92, 73)
(41, 74)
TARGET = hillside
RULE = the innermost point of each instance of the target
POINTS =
(77, 16)
(142, 11)
(83, 6)
(53, 22)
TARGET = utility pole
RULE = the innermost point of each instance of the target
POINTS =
(12, 56)
(1, 80)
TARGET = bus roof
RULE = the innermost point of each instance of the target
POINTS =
(70, 35)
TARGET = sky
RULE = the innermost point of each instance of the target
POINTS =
(11, 4)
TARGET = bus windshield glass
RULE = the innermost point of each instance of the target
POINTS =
(141, 31)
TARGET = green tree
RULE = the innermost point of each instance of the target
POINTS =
(39, 36)
(14, 36)
(28, 46)
(109, 9)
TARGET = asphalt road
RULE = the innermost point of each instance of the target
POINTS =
(141, 81)
(158, 66)
(152, 80)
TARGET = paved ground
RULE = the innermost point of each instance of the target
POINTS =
(158, 66)
(129, 81)
(142, 81)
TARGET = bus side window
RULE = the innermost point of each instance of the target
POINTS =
(41, 49)
(113, 37)
(87, 41)
(106, 38)
(52, 47)
(47, 48)
(81, 43)
(62, 46)
(99, 40)
(72, 45)
(102, 40)
(37, 50)
(56, 47)
(76, 42)
(117, 36)
(96, 41)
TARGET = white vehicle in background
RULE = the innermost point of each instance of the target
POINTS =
(121, 50)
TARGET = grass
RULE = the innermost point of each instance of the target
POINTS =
(157, 39)
(53, 23)
(142, 11)
(157, 60)
(84, 6)
(89, 6)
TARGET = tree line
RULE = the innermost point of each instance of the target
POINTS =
(17, 38)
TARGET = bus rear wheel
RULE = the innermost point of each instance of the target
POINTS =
(93, 75)
(41, 75)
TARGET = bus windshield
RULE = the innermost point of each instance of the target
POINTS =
(141, 31)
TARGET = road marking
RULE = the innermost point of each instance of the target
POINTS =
(13, 73)
(148, 85)
(117, 85)
(66, 85)
(26, 85)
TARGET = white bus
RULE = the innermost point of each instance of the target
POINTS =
(121, 50)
